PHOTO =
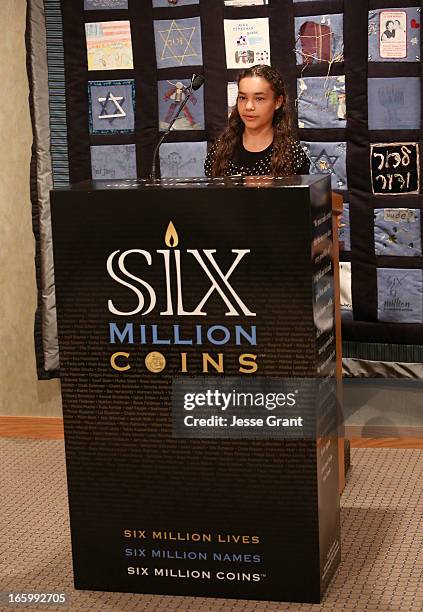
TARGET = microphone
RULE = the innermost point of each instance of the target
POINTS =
(197, 81)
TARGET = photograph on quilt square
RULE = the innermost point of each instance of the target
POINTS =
(394, 35)
(111, 106)
(400, 295)
(182, 159)
(319, 39)
(397, 232)
(321, 102)
(328, 158)
(171, 93)
(395, 168)
(113, 162)
(178, 42)
(109, 45)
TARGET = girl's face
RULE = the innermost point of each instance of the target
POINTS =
(257, 102)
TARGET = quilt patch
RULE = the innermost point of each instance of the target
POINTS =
(245, 2)
(178, 42)
(113, 162)
(394, 35)
(165, 3)
(397, 232)
(328, 158)
(400, 295)
(395, 168)
(344, 230)
(345, 289)
(247, 42)
(319, 39)
(232, 93)
(394, 103)
(321, 102)
(178, 159)
(96, 5)
(171, 94)
(111, 106)
(109, 45)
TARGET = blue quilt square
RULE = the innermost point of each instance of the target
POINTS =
(397, 232)
(111, 106)
(182, 159)
(400, 295)
(319, 39)
(394, 35)
(96, 5)
(328, 158)
(171, 93)
(113, 162)
(321, 102)
(178, 42)
(344, 230)
(394, 103)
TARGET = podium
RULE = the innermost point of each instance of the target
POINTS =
(197, 358)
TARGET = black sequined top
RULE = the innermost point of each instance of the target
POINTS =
(248, 163)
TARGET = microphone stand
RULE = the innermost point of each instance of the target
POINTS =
(183, 103)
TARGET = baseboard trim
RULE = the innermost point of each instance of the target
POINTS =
(51, 428)
(46, 428)
(379, 436)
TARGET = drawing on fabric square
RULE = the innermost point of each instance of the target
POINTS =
(319, 39)
(245, 2)
(321, 102)
(179, 159)
(109, 45)
(178, 42)
(344, 230)
(247, 42)
(113, 162)
(397, 232)
(232, 93)
(164, 3)
(95, 5)
(394, 103)
(171, 94)
(345, 289)
(394, 34)
(111, 106)
(399, 295)
(395, 168)
(328, 158)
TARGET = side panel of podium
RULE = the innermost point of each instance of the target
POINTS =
(150, 512)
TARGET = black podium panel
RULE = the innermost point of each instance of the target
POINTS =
(195, 281)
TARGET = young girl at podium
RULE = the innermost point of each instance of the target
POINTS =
(259, 138)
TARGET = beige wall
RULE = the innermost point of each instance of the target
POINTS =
(20, 391)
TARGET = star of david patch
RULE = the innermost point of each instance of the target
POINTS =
(178, 42)
(111, 106)
(328, 158)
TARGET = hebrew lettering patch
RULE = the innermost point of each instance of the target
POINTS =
(395, 168)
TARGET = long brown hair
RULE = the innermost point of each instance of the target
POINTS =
(282, 161)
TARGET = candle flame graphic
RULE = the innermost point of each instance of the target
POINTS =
(171, 237)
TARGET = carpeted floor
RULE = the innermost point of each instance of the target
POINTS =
(382, 537)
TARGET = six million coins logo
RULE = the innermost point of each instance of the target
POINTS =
(174, 262)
